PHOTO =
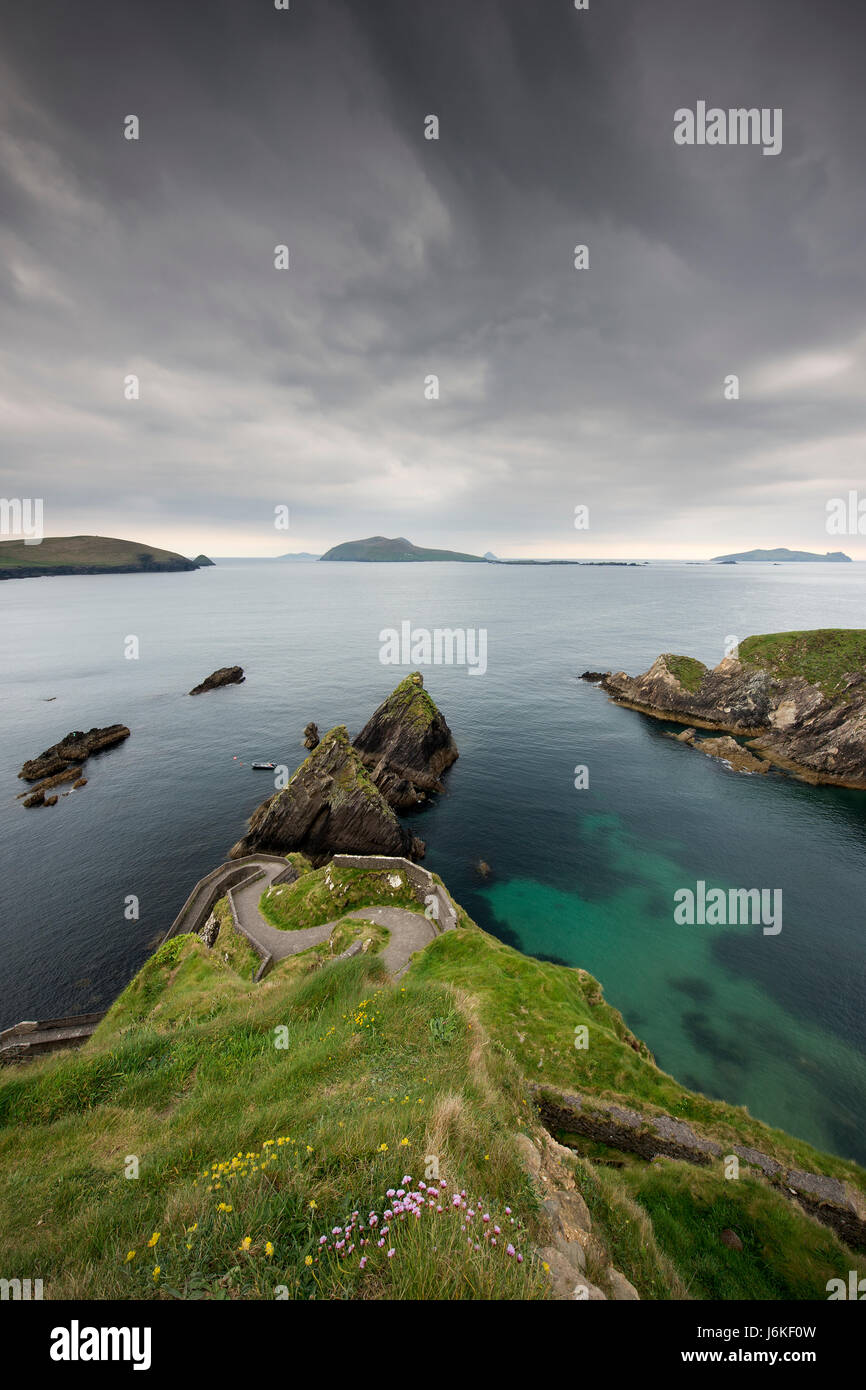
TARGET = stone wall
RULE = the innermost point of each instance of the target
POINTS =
(833, 1202)
(208, 891)
(421, 880)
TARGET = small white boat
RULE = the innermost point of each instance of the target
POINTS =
(264, 767)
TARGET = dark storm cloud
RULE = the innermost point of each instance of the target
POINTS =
(411, 257)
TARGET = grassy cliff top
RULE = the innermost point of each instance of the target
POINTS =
(99, 552)
(821, 656)
(688, 670)
(262, 1116)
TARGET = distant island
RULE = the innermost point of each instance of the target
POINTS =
(381, 549)
(300, 555)
(89, 555)
(202, 561)
(395, 550)
(795, 556)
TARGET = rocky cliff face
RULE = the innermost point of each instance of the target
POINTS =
(406, 745)
(790, 721)
(330, 806)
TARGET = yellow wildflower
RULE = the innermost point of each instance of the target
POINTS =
(152, 1242)
(130, 1255)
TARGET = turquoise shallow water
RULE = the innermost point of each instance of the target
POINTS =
(587, 877)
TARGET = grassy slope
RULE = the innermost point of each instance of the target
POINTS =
(232, 948)
(185, 1073)
(102, 551)
(823, 656)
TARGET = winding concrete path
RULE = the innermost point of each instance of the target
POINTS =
(409, 931)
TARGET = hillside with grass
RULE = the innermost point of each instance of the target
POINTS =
(391, 549)
(89, 555)
(825, 657)
(330, 1132)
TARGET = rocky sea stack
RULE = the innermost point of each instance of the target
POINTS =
(329, 806)
(343, 797)
(406, 745)
(798, 698)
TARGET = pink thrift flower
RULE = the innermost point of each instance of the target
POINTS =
(509, 1249)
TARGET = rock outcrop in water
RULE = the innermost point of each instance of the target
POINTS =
(342, 799)
(406, 745)
(226, 675)
(330, 806)
(63, 761)
(798, 698)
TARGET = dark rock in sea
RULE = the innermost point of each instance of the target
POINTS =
(311, 736)
(593, 676)
(330, 806)
(406, 745)
(226, 675)
(50, 801)
(483, 868)
(71, 751)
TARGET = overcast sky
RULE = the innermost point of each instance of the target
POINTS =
(410, 257)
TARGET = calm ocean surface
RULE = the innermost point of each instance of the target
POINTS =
(587, 877)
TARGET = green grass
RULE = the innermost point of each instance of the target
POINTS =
(823, 656)
(263, 1115)
(331, 892)
(360, 1073)
(232, 948)
(688, 671)
(532, 1008)
(784, 1255)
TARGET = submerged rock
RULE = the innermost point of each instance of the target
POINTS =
(330, 806)
(406, 745)
(726, 748)
(226, 675)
